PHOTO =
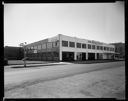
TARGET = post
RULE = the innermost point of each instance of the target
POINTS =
(95, 56)
(86, 55)
(24, 59)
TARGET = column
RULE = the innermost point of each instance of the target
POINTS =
(95, 56)
(60, 48)
(86, 55)
(75, 56)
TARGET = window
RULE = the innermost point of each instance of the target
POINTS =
(49, 45)
(78, 45)
(39, 47)
(71, 44)
(32, 47)
(56, 54)
(89, 46)
(55, 44)
(43, 46)
(83, 45)
(101, 48)
(105, 48)
(98, 47)
(65, 43)
(35, 47)
(111, 49)
(93, 46)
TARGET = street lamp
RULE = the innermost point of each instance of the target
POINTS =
(24, 59)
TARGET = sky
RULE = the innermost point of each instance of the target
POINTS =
(29, 23)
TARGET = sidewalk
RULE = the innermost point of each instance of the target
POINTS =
(36, 65)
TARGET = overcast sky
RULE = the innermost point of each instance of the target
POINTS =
(33, 22)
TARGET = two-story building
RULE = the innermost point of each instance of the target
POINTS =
(66, 48)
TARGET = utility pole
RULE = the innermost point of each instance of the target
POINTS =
(24, 59)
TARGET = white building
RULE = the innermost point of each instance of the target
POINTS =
(73, 48)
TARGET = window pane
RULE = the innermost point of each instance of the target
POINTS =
(89, 46)
(83, 45)
(78, 45)
(93, 46)
(39, 47)
(65, 43)
(101, 48)
(49, 45)
(43, 46)
(71, 44)
(98, 47)
(35, 47)
(56, 44)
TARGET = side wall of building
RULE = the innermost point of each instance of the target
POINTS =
(44, 50)
(83, 52)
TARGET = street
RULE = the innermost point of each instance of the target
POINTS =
(18, 78)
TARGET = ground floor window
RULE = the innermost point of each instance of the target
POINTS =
(67, 56)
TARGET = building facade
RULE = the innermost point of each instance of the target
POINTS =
(66, 48)
(13, 53)
(119, 50)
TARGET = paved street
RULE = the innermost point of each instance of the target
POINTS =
(18, 78)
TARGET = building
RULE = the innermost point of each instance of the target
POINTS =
(119, 50)
(66, 48)
(13, 53)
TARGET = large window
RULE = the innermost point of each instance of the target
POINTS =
(49, 45)
(89, 46)
(35, 47)
(43, 46)
(56, 44)
(83, 45)
(39, 47)
(65, 43)
(78, 45)
(105, 48)
(32, 47)
(111, 49)
(71, 44)
(93, 46)
(101, 48)
(98, 47)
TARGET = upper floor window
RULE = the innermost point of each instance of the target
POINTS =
(78, 45)
(111, 49)
(35, 47)
(65, 43)
(32, 47)
(43, 46)
(39, 47)
(83, 45)
(98, 47)
(101, 47)
(56, 44)
(93, 46)
(89, 46)
(105, 48)
(49, 45)
(71, 44)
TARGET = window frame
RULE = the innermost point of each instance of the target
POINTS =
(66, 43)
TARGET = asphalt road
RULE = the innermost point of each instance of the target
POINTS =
(22, 78)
